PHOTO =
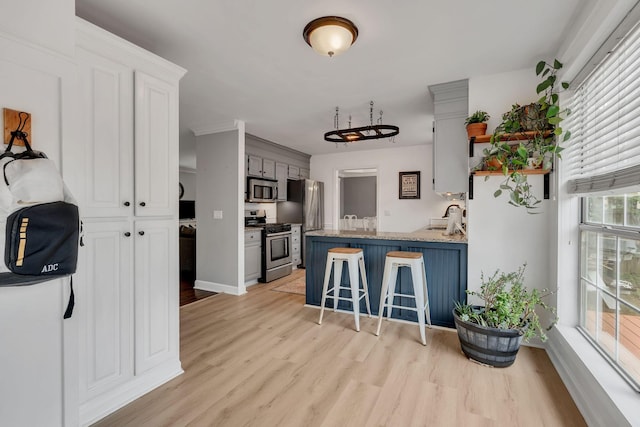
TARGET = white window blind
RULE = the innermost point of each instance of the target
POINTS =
(604, 150)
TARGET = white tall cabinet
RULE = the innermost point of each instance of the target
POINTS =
(126, 182)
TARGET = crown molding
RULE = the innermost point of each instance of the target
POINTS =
(219, 127)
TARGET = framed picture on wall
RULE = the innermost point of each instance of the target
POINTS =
(409, 185)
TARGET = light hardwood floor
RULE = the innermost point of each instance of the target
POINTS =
(262, 360)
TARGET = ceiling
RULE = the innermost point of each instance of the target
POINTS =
(247, 59)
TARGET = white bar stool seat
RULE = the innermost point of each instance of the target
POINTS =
(355, 261)
(415, 261)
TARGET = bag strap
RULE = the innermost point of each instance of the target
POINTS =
(72, 300)
(21, 135)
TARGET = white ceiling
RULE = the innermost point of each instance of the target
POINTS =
(247, 59)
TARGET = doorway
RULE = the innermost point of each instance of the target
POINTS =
(358, 199)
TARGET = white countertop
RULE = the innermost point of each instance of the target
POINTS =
(421, 235)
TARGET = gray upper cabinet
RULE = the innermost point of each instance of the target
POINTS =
(304, 173)
(257, 166)
(294, 172)
(450, 145)
(268, 169)
(254, 165)
(281, 176)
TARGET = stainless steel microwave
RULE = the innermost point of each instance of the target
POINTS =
(260, 190)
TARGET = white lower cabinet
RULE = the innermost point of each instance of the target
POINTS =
(296, 244)
(127, 288)
(104, 295)
(156, 293)
(252, 255)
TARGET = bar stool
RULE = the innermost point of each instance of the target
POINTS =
(415, 261)
(355, 260)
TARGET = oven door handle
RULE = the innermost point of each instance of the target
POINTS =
(278, 234)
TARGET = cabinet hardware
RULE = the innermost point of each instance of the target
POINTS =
(127, 203)
(141, 233)
(143, 204)
(127, 234)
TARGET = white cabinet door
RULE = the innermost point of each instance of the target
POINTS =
(104, 295)
(281, 176)
(156, 146)
(252, 261)
(106, 133)
(450, 156)
(294, 172)
(268, 169)
(156, 293)
(254, 165)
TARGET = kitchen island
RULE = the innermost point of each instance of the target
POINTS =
(445, 263)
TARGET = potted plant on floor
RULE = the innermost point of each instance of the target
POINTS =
(476, 123)
(492, 334)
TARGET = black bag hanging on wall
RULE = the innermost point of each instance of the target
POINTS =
(42, 220)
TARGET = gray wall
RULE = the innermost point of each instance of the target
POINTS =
(188, 181)
(217, 189)
(358, 196)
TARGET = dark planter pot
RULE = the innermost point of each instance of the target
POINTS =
(491, 346)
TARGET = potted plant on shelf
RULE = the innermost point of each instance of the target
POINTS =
(476, 123)
(492, 334)
(536, 128)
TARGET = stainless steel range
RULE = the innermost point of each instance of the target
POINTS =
(276, 245)
(276, 252)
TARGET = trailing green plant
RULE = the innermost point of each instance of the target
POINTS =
(477, 117)
(508, 304)
(538, 126)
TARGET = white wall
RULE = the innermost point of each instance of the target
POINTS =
(393, 214)
(38, 347)
(500, 235)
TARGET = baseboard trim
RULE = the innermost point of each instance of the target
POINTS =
(111, 401)
(582, 370)
(203, 285)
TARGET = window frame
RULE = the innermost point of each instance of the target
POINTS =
(619, 232)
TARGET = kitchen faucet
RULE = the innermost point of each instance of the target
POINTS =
(446, 212)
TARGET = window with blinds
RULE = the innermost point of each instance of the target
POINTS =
(604, 150)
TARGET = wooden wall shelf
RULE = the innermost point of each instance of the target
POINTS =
(520, 136)
(523, 172)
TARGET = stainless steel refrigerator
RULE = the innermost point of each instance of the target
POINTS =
(304, 205)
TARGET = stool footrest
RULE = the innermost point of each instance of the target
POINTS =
(404, 307)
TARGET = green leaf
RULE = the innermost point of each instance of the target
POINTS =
(567, 135)
(539, 67)
(547, 71)
(565, 85)
(522, 152)
(558, 131)
(553, 111)
(505, 170)
(554, 98)
(497, 193)
(555, 120)
(557, 64)
(543, 86)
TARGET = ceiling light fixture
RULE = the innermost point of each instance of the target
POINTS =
(363, 133)
(330, 35)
